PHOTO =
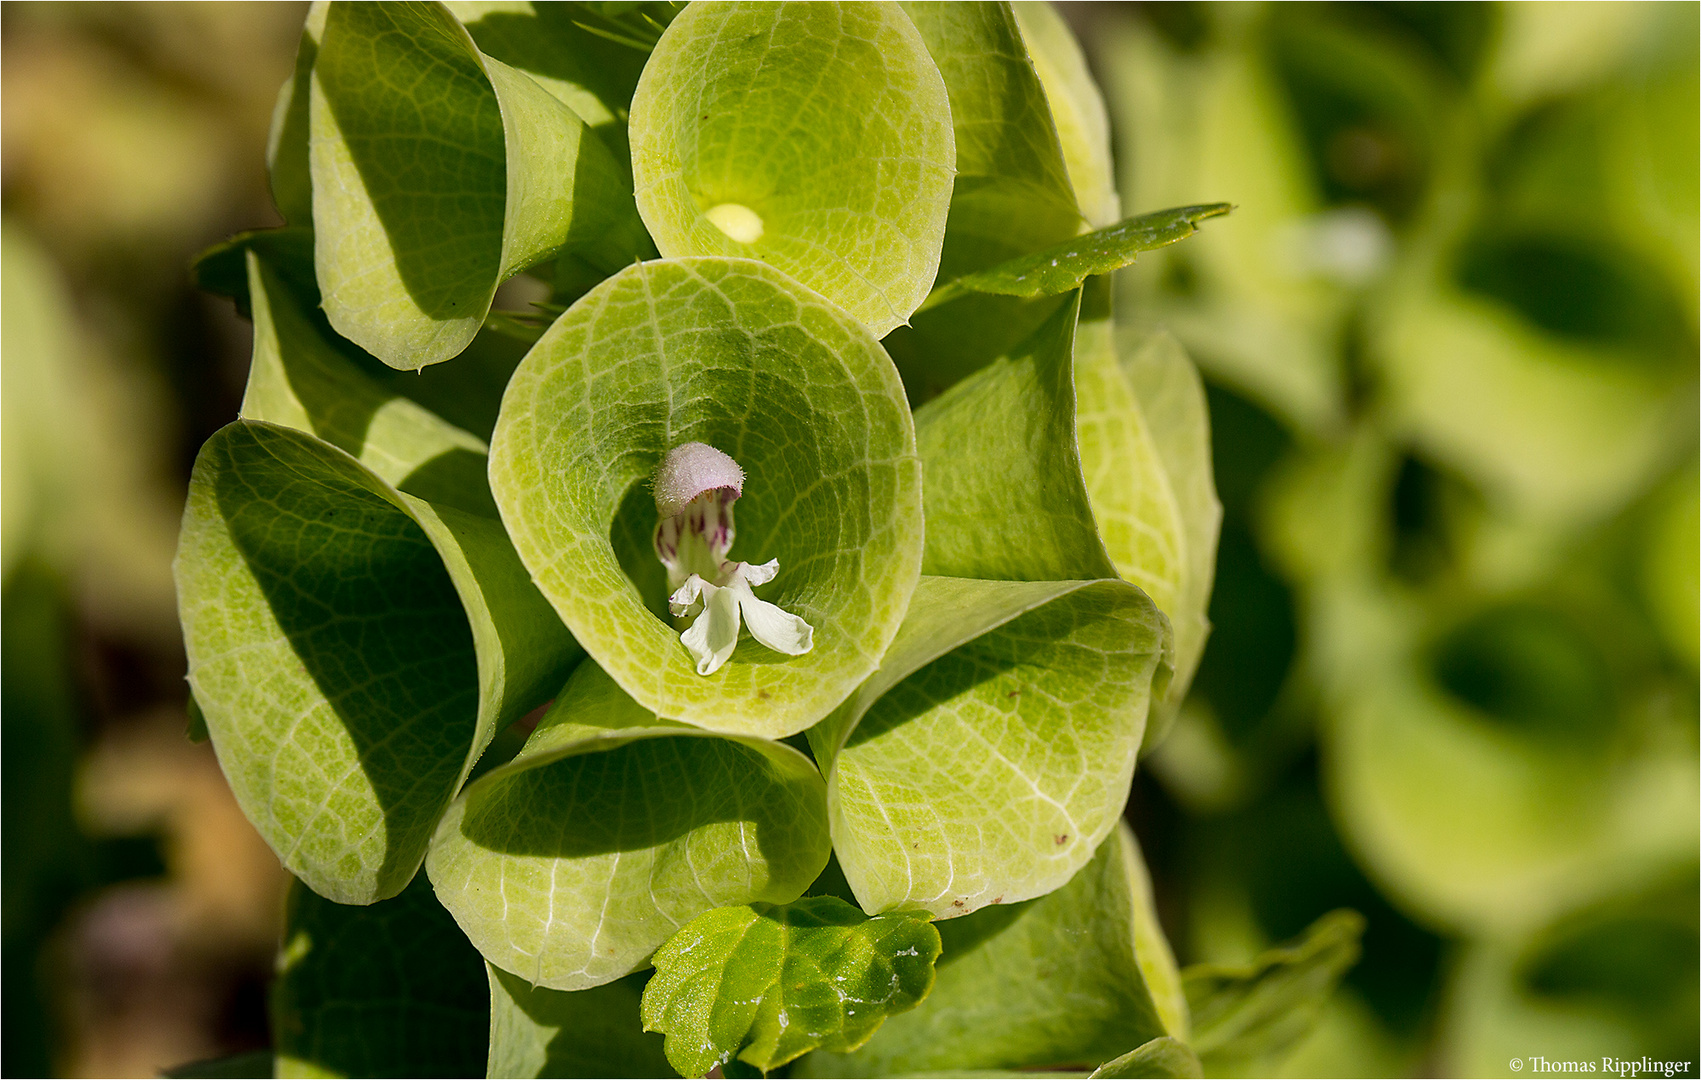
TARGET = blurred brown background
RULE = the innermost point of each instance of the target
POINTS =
(140, 908)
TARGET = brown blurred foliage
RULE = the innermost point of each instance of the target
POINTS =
(141, 909)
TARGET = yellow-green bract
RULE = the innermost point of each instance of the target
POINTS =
(732, 353)
(357, 624)
(815, 137)
(572, 863)
(437, 173)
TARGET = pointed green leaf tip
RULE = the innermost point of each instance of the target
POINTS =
(1065, 266)
(1161, 1057)
(773, 983)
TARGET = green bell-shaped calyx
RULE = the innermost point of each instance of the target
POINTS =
(814, 137)
(357, 624)
(611, 828)
(437, 173)
(735, 355)
(992, 752)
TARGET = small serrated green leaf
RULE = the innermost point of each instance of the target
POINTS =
(1262, 1009)
(769, 984)
(1065, 266)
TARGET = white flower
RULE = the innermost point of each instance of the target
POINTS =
(695, 487)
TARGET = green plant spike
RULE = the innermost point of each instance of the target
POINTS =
(1259, 1011)
(536, 1031)
(1012, 194)
(422, 208)
(1068, 980)
(733, 354)
(611, 828)
(357, 624)
(770, 984)
(815, 137)
(390, 989)
(1065, 266)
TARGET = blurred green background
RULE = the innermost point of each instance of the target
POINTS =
(1450, 339)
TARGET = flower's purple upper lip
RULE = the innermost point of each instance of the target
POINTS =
(689, 470)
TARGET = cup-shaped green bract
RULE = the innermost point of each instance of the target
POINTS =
(816, 137)
(992, 752)
(357, 623)
(611, 828)
(731, 353)
(437, 173)
(1012, 194)
(329, 653)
